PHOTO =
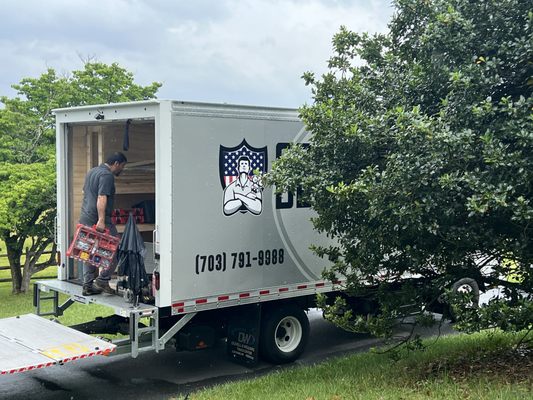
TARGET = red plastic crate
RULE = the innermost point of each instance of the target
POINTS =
(92, 246)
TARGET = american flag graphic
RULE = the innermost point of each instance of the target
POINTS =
(228, 161)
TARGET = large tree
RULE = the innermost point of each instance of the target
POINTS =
(27, 211)
(421, 159)
(27, 154)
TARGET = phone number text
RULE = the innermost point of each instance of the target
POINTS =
(244, 259)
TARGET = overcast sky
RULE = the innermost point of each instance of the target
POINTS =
(233, 51)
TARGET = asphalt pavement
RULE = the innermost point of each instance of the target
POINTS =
(160, 376)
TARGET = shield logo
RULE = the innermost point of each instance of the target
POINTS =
(229, 156)
(240, 169)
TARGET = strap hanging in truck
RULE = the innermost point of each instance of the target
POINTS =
(126, 141)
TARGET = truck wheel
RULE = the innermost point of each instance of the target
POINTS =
(284, 334)
(465, 285)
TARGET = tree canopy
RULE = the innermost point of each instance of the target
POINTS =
(420, 163)
(27, 153)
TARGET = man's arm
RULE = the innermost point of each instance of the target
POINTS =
(106, 187)
(252, 202)
(231, 205)
(101, 203)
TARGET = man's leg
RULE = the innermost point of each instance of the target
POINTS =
(102, 282)
(90, 272)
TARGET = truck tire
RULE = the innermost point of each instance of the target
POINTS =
(467, 285)
(284, 334)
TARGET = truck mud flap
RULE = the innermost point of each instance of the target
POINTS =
(29, 342)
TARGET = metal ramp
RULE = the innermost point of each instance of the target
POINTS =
(30, 342)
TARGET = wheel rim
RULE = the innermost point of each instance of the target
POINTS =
(466, 288)
(288, 334)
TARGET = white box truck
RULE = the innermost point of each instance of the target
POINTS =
(227, 257)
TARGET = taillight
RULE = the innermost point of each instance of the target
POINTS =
(156, 280)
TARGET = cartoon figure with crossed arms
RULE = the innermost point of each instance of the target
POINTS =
(244, 193)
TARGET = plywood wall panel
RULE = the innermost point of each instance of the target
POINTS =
(89, 147)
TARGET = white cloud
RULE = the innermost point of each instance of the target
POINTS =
(237, 51)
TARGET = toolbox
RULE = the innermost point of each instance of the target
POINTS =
(92, 246)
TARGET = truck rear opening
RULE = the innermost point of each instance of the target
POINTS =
(29, 342)
(88, 145)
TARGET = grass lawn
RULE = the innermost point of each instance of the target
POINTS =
(481, 366)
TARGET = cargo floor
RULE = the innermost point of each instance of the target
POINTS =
(120, 305)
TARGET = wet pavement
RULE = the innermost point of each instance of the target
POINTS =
(169, 373)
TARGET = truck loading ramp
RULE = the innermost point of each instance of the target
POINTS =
(29, 342)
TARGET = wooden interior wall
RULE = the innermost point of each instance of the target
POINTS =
(89, 147)
(138, 177)
(81, 162)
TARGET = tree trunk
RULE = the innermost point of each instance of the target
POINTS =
(26, 275)
(16, 277)
(14, 253)
(21, 277)
(32, 266)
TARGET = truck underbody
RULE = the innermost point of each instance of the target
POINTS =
(148, 328)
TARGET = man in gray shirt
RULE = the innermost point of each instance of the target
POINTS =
(96, 208)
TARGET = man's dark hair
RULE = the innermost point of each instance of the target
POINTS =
(243, 158)
(116, 157)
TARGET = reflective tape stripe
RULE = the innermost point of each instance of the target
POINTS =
(231, 299)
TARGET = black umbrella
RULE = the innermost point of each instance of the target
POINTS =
(130, 255)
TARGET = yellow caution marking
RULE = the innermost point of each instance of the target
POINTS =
(66, 350)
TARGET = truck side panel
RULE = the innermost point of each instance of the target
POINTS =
(215, 254)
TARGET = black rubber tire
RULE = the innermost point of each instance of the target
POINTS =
(284, 334)
(474, 288)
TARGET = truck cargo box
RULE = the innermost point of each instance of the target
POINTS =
(219, 236)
